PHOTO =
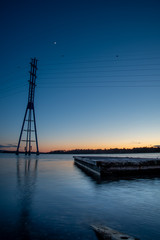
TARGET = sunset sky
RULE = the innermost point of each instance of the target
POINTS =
(98, 77)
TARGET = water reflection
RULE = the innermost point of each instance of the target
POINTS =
(26, 182)
(50, 199)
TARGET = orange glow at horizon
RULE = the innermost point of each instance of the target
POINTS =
(70, 146)
(48, 146)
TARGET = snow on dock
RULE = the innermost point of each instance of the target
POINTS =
(118, 166)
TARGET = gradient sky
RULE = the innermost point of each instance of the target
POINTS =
(98, 83)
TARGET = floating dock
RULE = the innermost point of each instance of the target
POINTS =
(118, 166)
(107, 233)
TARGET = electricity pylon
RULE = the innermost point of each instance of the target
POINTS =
(29, 116)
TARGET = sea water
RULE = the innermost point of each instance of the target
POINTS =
(48, 197)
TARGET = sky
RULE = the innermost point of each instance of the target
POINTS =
(98, 77)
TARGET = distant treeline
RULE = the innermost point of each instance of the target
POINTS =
(7, 151)
(100, 151)
(112, 150)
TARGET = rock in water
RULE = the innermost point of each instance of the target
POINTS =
(106, 233)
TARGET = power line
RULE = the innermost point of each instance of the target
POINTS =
(107, 81)
(10, 88)
(105, 60)
(103, 71)
(102, 76)
(12, 94)
(104, 86)
(103, 66)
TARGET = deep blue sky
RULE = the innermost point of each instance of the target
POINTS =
(98, 86)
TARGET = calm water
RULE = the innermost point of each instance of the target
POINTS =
(48, 197)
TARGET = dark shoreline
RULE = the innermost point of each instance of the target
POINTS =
(98, 151)
(108, 151)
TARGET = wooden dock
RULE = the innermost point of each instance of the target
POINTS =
(118, 166)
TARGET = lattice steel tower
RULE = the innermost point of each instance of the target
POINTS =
(29, 117)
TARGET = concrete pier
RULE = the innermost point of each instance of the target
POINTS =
(118, 166)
